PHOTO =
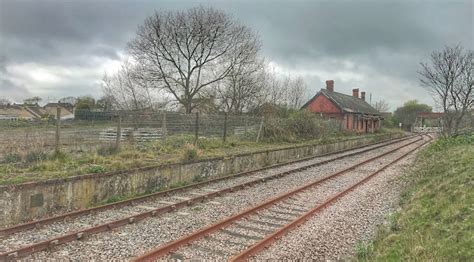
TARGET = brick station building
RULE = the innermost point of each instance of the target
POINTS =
(354, 112)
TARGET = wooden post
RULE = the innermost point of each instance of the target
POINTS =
(58, 129)
(196, 128)
(225, 127)
(118, 138)
(260, 129)
(163, 126)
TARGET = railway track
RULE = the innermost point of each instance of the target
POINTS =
(165, 206)
(49, 220)
(244, 234)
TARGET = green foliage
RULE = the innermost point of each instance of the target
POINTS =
(85, 103)
(60, 156)
(114, 199)
(436, 220)
(95, 169)
(198, 178)
(363, 251)
(298, 125)
(12, 158)
(407, 113)
(36, 156)
(190, 153)
(172, 143)
(32, 101)
(107, 150)
(444, 143)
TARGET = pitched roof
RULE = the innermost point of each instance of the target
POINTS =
(346, 103)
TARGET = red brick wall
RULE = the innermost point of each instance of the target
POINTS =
(349, 121)
(323, 105)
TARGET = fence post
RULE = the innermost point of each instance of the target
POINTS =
(260, 129)
(163, 126)
(58, 129)
(119, 132)
(196, 128)
(225, 127)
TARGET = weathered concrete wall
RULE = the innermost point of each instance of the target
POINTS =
(23, 202)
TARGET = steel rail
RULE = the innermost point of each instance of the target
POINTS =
(176, 244)
(45, 221)
(76, 235)
(270, 239)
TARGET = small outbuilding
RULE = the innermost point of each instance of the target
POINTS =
(353, 112)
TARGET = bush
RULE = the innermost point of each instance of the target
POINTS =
(445, 142)
(36, 156)
(172, 143)
(298, 125)
(107, 150)
(61, 156)
(12, 158)
(190, 152)
(95, 169)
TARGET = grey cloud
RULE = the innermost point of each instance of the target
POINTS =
(383, 39)
(10, 90)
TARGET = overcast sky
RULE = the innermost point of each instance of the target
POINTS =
(54, 49)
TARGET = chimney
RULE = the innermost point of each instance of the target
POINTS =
(355, 92)
(362, 95)
(330, 85)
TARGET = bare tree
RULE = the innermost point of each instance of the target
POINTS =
(69, 100)
(32, 100)
(184, 52)
(448, 76)
(296, 92)
(381, 106)
(125, 91)
(4, 101)
(238, 91)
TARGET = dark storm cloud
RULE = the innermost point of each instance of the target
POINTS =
(379, 43)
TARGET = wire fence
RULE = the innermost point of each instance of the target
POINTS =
(90, 130)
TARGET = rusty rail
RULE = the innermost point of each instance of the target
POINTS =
(171, 246)
(45, 221)
(24, 251)
(268, 240)
(76, 235)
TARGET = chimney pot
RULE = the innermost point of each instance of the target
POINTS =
(355, 92)
(362, 95)
(330, 85)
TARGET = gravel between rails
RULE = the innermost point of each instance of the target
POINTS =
(228, 242)
(333, 233)
(131, 240)
(61, 227)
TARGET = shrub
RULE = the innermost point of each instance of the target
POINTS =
(12, 158)
(107, 150)
(61, 156)
(95, 169)
(298, 125)
(172, 143)
(190, 152)
(36, 156)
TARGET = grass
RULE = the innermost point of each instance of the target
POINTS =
(436, 220)
(39, 165)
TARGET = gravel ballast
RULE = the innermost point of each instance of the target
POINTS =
(134, 239)
(219, 247)
(334, 233)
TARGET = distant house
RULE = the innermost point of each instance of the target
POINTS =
(354, 113)
(22, 112)
(14, 112)
(67, 110)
